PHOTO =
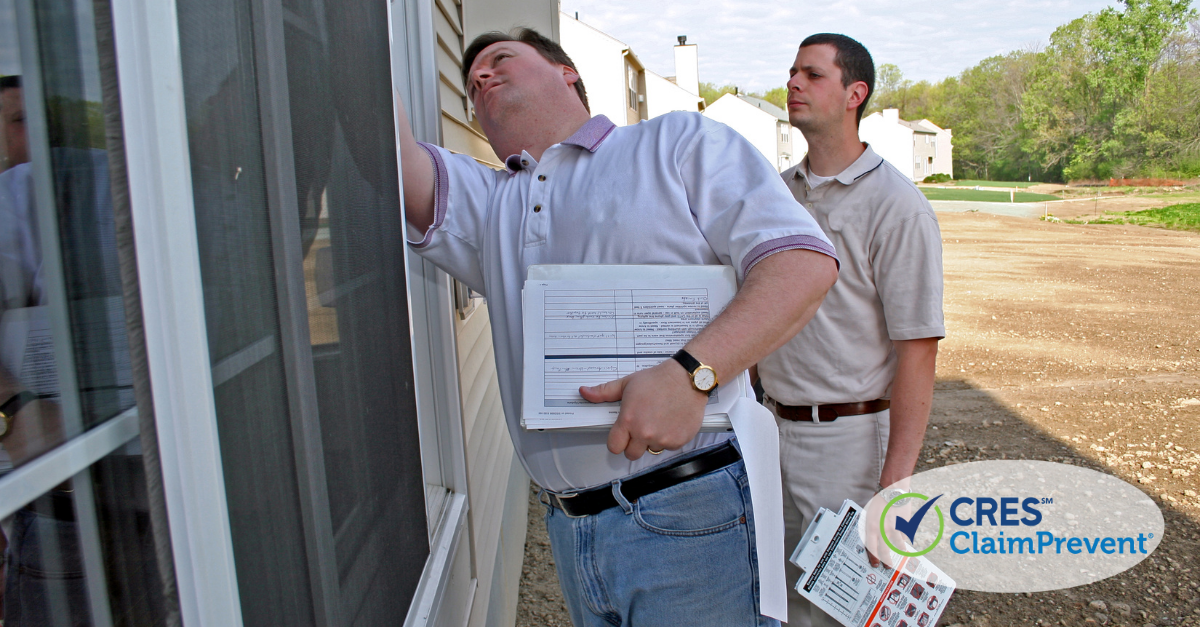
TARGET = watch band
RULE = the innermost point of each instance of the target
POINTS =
(10, 407)
(686, 360)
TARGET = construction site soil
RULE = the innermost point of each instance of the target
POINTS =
(1069, 343)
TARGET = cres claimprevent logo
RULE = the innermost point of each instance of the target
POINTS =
(909, 526)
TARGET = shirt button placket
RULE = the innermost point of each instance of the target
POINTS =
(537, 223)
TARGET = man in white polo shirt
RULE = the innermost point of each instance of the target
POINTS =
(664, 538)
(852, 390)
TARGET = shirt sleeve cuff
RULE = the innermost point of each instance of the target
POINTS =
(770, 247)
(441, 192)
(919, 333)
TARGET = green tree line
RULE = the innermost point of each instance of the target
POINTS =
(710, 92)
(1114, 94)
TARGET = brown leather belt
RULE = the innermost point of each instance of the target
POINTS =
(829, 413)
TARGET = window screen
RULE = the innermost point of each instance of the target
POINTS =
(296, 192)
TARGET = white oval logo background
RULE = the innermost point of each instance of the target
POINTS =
(1068, 546)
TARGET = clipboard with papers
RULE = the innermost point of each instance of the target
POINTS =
(591, 324)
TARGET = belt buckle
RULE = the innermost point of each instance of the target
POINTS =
(561, 498)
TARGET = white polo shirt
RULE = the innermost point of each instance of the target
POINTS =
(889, 286)
(678, 189)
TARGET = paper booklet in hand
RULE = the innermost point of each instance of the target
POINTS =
(591, 324)
(836, 576)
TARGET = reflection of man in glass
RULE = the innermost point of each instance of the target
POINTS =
(23, 434)
(29, 426)
(12, 123)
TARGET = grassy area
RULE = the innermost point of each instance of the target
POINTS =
(1185, 217)
(973, 183)
(936, 193)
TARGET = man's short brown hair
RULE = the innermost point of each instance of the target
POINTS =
(545, 46)
(852, 59)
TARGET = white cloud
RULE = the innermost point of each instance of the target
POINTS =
(752, 43)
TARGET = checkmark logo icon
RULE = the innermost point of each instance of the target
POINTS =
(908, 526)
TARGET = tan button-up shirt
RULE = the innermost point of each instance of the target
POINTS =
(889, 287)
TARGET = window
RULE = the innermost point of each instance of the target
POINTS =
(631, 75)
(82, 532)
(302, 264)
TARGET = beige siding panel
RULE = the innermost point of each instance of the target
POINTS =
(449, 73)
(445, 32)
(451, 49)
(446, 28)
(471, 329)
(473, 398)
(490, 454)
(470, 365)
(487, 536)
(449, 98)
(449, 12)
(460, 138)
(506, 579)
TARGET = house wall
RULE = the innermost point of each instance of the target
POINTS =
(756, 125)
(790, 145)
(504, 15)
(924, 148)
(600, 60)
(497, 486)
(663, 96)
(943, 161)
(888, 138)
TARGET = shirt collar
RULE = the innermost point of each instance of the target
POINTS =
(589, 136)
(865, 163)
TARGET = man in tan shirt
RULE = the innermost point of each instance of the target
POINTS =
(851, 392)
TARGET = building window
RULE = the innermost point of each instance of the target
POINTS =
(83, 550)
(302, 265)
(632, 85)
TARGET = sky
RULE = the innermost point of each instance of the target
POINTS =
(752, 43)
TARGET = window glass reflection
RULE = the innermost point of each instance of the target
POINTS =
(83, 552)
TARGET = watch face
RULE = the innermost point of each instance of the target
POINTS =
(704, 379)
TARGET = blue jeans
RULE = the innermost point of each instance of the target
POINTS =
(680, 556)
(45, 585)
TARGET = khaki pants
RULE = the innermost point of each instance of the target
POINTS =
(824, 464)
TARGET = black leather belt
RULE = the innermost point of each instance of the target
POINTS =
(599, 499)
(56, 504)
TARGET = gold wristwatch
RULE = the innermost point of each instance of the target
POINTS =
(704, 378)
(10, 407)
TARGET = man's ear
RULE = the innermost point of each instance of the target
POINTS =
(858, 94)
(570, 75)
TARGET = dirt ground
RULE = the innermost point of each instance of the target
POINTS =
(1070, 343)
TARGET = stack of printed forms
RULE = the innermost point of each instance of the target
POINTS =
(590, 324)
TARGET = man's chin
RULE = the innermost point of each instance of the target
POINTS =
(802, 122)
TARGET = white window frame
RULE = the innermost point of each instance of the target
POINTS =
(434, 341)
(73, 458)
(167, 252)
(167, 249)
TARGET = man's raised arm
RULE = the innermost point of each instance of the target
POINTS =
(417, 169)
